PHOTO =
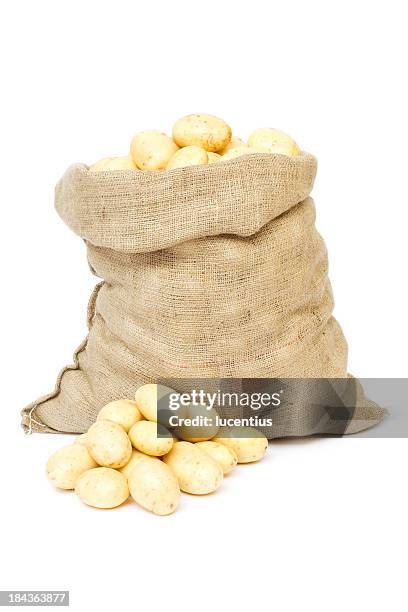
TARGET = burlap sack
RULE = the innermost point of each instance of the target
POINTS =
(209, 271)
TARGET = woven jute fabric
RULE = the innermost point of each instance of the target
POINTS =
(208, 272)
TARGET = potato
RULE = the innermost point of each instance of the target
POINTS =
(146, 398)
(196, 471)
(233, 144)
(144, 437)
(270, 140)
(248, 443)
(153, 486)
(237, 152)
(135, 458)
(123, 412)
(206, 131)
(109, 444)
(102, 488)
(213, 158)
(66, 465)
(195, 432)
(82, 439)
(151, 150)
(188, 156)
(225, 456)
(113, 163)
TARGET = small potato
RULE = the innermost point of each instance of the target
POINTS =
(188, 156)
(82, 439)
(225, 456)
(237, 152)
(206, 131)
(153, 486)
(248, 443)
(197, 423)
(113, 163)
(123, 412)
(66, 465)
(151, 150)
(102, 488)
(213, 158)
(144, 437)
(270, 140)
(109, 444)
(135, 458)
(233, 144)
(196, 471)
(147, 398)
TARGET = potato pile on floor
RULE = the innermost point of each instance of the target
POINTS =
(196, 140)
(126, 452)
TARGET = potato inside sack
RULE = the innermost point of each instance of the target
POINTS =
(123, 412)
(197, 473)
(270, 140)
(188, 156)
(151, 438)
(206, 131)
(109, 445)
(151, 150)
(102, 488)
(113, 163)
(225, 456)
(67, 464)
(238, 152)
(233, 144)
(248, 443)
(153, 486)
(213, 158)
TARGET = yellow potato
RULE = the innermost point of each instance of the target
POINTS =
(82, 439)
(135, 458)
(213, 158)
(237, 152)
(147, 397)
(113, 163)
(196, 471)
(233, 144)
(123, 412)
(270, 140)
(206, 131)
(190, 428)
(188, 156)
(66, 465)
(151, 150)
(153, 486)
(109, 444)
(248, 443)
(225, 457)
(144, 437)
(102, 488)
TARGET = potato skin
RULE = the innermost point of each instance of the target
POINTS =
(196, 433)
(270, 140)
(237, 152)
(206, 131)
(233, 144)
(109, 444)
(196, 472)
(146, 398)
(134, 459)
(188, 156)
(102, 488)
(143, 436)
(151, 150)
(113, 163)
(67, 464)
(82, 439)
(225, 456)
(153, 486)
(213, 158)
(123, 412)
(248, 443)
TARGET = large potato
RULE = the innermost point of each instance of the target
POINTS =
(248, 443)
(113, 163)
(225, 457)
(144, 437)
(123, 412)
(153, 486)
(66, 465)
(151, 150)
(196, 471)
(237, 152)
(233, 144)
(102, 488)
(134, 459)
(188, 156)
(147, 397)
(271, 140)
(206, 131)
(109, 444)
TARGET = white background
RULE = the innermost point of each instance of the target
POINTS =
(320, 525)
